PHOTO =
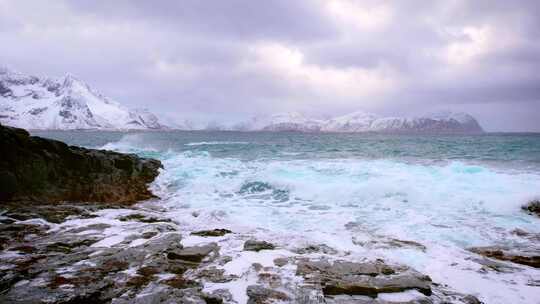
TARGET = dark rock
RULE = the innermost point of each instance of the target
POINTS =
(532, 207)
(213, 232)
(320, 248)
(181, 283)
(280, 262)
(136, 217)
(260, 295)
(514, 255)
(49, 171)
(254, 245)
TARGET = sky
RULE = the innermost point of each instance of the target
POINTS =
(229, 60)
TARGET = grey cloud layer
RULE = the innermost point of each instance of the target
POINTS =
(228, 59)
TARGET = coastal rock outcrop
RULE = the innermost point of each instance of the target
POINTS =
(49, 171)
(533, 207)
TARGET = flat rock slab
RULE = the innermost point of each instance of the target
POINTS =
(193, 254)
(367, 279)
(524, 256)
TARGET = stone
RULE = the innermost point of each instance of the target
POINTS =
(280, 262)
(320, 248)
(193, 254)
(254, 245)
(213, 232)
(137, 217)
(366, 279)
(523, 256)
(49, 171)
(532, 207)
(258, 294)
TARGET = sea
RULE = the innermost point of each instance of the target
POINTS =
(355, 193)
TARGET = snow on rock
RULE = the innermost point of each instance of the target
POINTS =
(66, 103)
(288, 121)
(442, 122)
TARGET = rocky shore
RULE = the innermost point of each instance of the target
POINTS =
(137, 255)
(34, 169)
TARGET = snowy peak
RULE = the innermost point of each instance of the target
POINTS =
(287, 121)
(353, 122)
(64, 103)
(441, 122)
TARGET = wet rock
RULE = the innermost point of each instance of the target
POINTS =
(214, 275)
(149, 234)
(213, 232)
(56, 213)
(320, 248)
(137, 217)
(280, 262)
(384, 242)
(516, 255)
(65, 247)
(49, 171)
(469, 299)
(533, 207)
(491, 265)
(218, 296)
(254, 245)
(193, 254)
(181, 283)
(258, 294)
(367, 279)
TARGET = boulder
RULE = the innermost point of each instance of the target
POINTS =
(532, 207)
(49, 171)
(254, 245)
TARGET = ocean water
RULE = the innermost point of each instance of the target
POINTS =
(355, 193)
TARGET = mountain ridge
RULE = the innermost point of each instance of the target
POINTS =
(67, 103)
(64, 103)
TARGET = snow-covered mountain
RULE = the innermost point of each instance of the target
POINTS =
(289, 121)
(65, 103)
(441, 122)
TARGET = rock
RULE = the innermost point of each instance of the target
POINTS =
(213, 232)
(49, 171)
(532, 207)
(260, 295)
(320, 248)
(515, 255)
(366, 279)
(254, 245)
(280, 262)
(385, 242)
(137, 217)
(193, 254)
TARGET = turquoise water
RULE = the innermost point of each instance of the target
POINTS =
(518, 150)
(353, 192)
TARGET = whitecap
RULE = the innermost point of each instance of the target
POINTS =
(209, 143)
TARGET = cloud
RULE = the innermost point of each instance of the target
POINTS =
(224, 60)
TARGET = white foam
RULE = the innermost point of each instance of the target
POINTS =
(447, 208)
(210, 143)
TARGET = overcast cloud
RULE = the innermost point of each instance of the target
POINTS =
(226, 60)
